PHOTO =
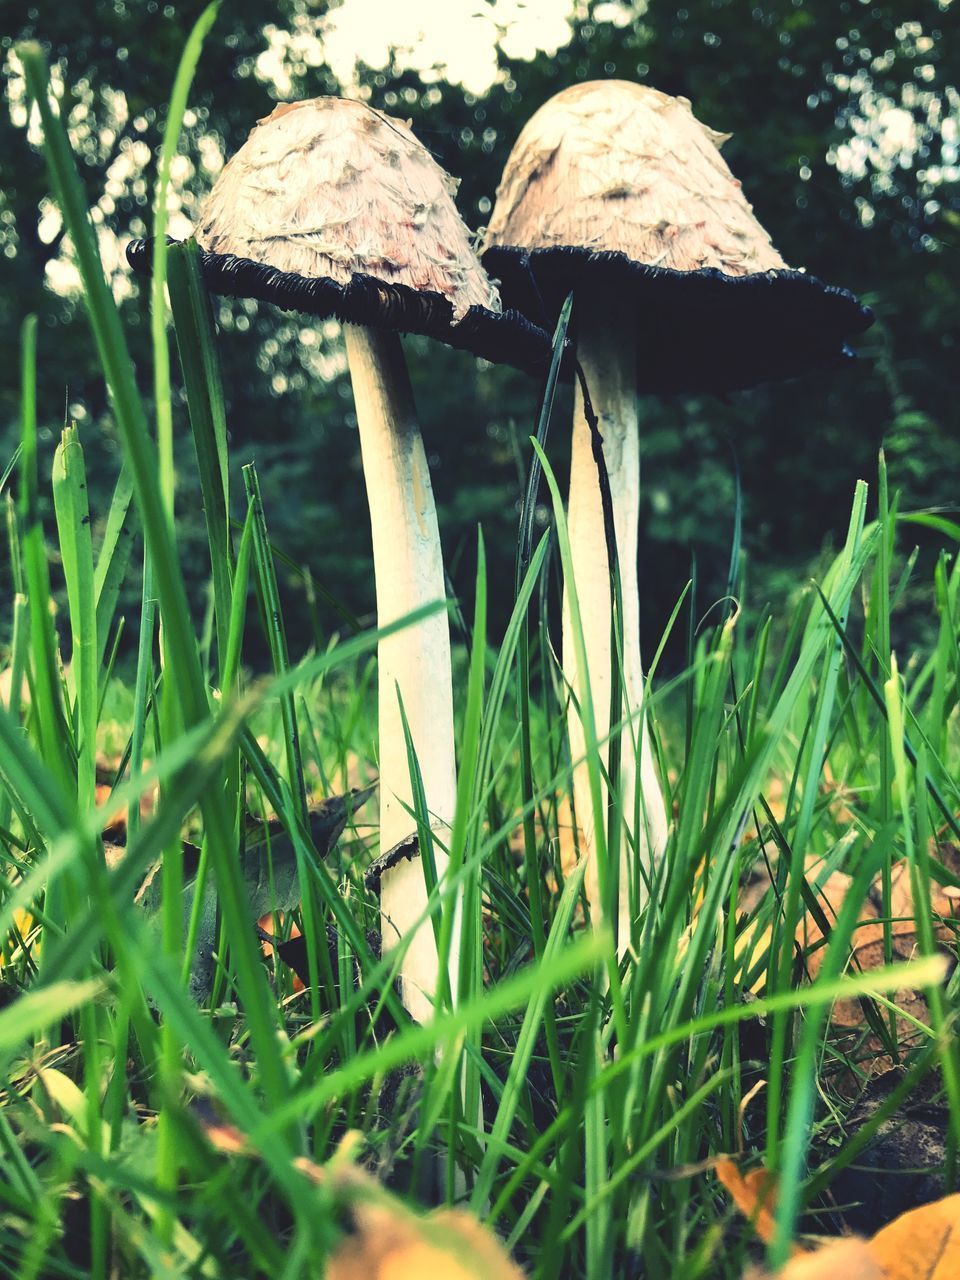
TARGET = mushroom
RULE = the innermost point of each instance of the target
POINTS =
(616, 192)
(333, 208)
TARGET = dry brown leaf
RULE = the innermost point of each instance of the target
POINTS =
(868, 943)
(869, 953)
(272, 925)
(389, 1243)
(841, 793)
(753, 1194)
(943, 899)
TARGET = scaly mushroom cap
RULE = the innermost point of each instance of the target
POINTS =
(616, 187)
(333, 208)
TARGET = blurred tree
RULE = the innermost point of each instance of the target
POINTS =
(846, 127)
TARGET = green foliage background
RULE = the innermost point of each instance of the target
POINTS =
(792, 80)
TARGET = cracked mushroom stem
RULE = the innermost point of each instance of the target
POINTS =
(607, 352)
(415, 660)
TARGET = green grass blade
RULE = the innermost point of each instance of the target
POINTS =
(418, 1043)
(158, 274)
(47, 694)
(520, 1062)
(114, 557)
(39, 1009)
(184, 665)
(76, 551)
(193, 325)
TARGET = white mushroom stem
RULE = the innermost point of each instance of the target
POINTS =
(416, 660)
(607, 345)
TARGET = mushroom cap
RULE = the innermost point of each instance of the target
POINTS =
(333, 208)
(617, 188)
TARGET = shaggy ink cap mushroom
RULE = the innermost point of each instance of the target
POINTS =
(617, 193)
(616, 190)
(334, 209)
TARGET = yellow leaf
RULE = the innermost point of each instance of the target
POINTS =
(389, 1243)
(923, 1244)
(844, 1260)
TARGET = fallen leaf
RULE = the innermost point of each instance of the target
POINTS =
(753, 1193)
(270, 944)
(843, 1260)
(390, 1243)
(943, 898)
(269, 868)
(293, 952)
(386, 1240)
(867, 1048)
(923, 1244)
(903, 1165)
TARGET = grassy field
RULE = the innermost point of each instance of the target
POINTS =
(167, 1122)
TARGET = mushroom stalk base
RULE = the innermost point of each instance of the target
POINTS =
(607, 349)
(415, 660)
